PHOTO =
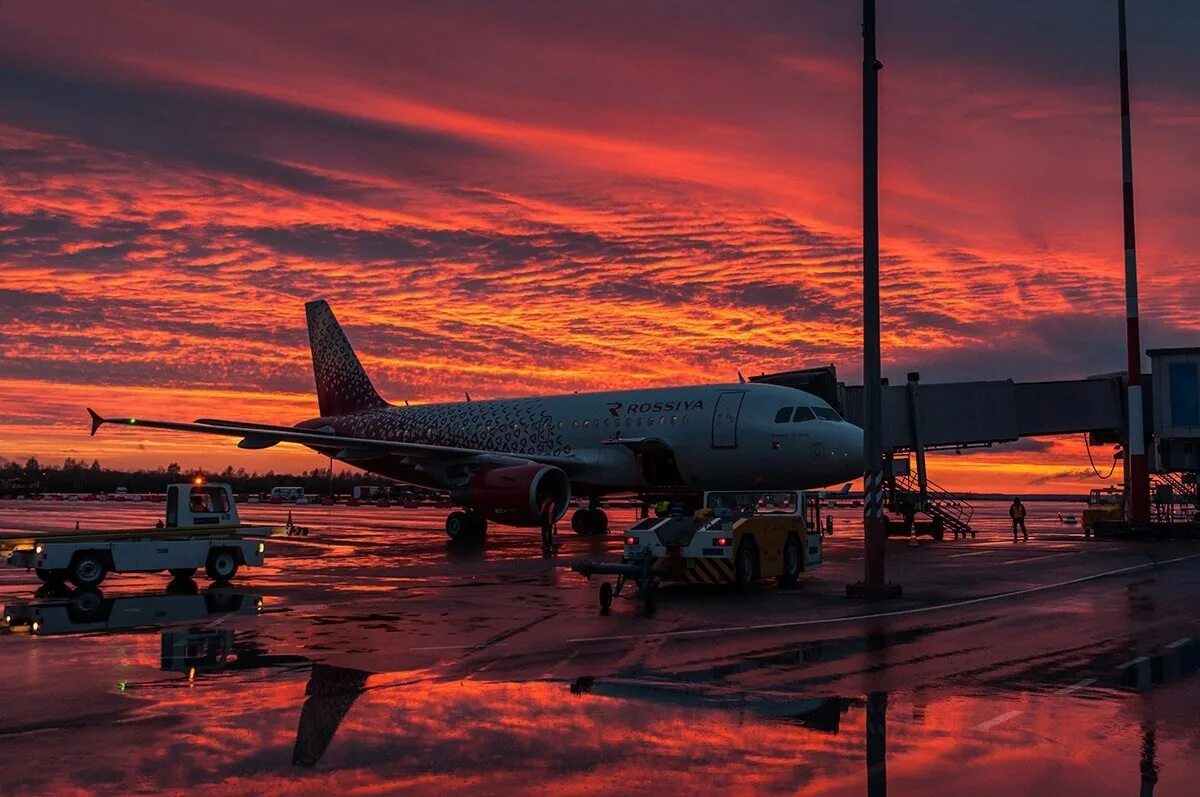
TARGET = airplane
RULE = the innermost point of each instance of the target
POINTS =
(518, 461)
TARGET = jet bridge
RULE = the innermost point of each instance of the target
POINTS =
(921, 417)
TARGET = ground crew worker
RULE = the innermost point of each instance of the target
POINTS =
(549, 537)
(1017, 513)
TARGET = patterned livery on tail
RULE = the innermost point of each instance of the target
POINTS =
(342, 384)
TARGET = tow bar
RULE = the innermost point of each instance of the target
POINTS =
(638, 568)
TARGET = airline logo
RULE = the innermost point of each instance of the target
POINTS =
(615, 408)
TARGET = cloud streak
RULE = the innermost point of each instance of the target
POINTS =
(509, 201)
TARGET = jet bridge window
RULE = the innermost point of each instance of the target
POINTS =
(826, 414)
(783, 415)
(803, 414)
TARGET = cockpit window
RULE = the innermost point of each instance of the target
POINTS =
(803, 414)
(826, 414)
(783, 415)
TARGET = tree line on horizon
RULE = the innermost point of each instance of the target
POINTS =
(79, 476)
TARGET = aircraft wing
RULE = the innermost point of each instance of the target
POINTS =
(261, 435)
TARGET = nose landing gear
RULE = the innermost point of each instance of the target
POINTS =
(589, 522)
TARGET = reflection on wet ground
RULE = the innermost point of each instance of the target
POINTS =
(372, 656)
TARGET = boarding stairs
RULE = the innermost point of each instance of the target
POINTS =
(1174, 501)
(954, 512)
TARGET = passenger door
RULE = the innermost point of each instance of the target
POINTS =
(725, 418)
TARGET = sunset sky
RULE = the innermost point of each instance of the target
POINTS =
(534, 197)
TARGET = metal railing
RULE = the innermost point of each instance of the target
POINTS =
(939, 502)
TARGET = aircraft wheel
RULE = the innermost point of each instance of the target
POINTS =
(465, 525)
(222, 565)
(581, 522)
(745, 566)
(458, 526)
(597, 522)
(606, 597)
(793, 559)
(88, 569)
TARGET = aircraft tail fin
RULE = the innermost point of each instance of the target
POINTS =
(342, 384)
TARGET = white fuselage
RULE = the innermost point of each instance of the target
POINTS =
(710, 437)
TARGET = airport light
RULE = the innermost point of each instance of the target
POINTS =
(1137, 478)
(874, 529)
(198, 480)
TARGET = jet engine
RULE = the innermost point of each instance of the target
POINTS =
(514, 495)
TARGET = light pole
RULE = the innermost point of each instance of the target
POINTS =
(874, 530)
(1137, 479)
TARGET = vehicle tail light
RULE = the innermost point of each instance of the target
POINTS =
(721, 541)
(631, 540)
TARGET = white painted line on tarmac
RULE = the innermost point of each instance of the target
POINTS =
(997, 720)
(972, 553)
(1085, 683)
(1132, 662)
(848, 618)
(1034, 558)
(460, 647)
(1178, 643)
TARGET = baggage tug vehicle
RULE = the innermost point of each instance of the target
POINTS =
(738, 537)
(201, 529)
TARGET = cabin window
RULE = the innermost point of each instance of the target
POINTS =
(784, 415)
(208, 500)
(826, 414)
(674, 418)
(803, 414)
(574, 424)
(585, 424)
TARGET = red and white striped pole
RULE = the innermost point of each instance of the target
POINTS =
(1137, 480)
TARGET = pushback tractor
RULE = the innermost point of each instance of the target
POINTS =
(738, 538)
(201, 529)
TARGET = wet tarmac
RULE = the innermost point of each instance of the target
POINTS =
(373, 656)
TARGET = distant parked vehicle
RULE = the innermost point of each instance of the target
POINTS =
(287, 494)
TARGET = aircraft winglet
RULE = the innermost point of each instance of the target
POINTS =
(96, 420)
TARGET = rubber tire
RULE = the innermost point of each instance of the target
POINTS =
(222, 565)
(597, 523)
(88, 569)
(182, 573)
(791, 572)
(458, 525)
(86, 606)
(606, 597)
(54, 577)
(745, 566)
(479, 525)
(581, 522)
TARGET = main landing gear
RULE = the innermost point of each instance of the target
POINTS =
(589, 521)
(466, 526)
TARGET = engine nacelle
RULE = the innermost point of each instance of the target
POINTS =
(514, 495)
